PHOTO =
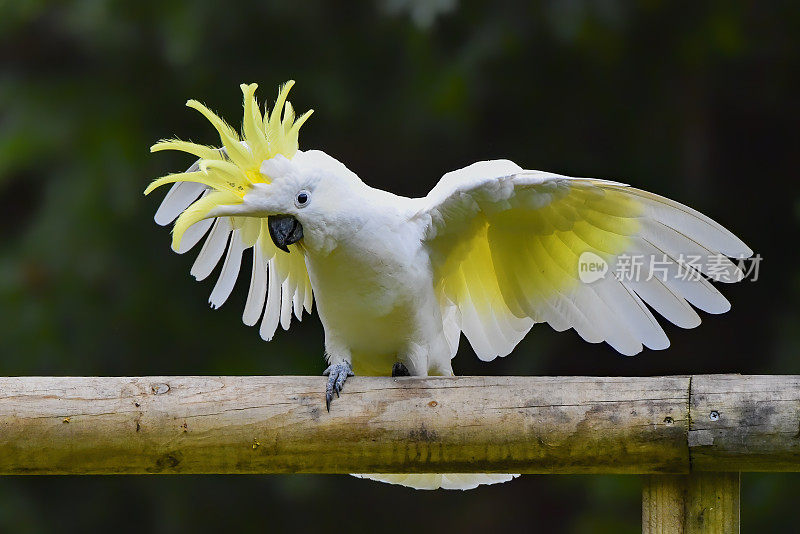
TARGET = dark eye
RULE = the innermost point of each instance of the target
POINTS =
(302, 198)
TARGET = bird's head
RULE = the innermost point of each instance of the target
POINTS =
(261, 173)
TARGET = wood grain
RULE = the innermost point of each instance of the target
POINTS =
(107, 425)
(698, 503)
(745, 423)
(677, 425)
(664, 504)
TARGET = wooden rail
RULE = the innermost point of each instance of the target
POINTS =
(678, 425)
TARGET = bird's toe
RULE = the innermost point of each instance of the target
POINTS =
(398, 369)
(337, 375)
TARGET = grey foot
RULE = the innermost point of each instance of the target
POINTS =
(337, 374)
(398, 369)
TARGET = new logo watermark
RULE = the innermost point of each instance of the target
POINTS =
(591, 267)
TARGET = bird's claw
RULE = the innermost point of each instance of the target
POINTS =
(337, 373)
(398, 369)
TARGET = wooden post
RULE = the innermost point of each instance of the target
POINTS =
(250, 424)
(663, 498)
(691, 435)
(691, 504)
(661, 425)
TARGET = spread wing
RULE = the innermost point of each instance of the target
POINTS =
(279, 283)
(506, 246)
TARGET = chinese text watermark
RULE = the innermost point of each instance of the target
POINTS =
(686, 267)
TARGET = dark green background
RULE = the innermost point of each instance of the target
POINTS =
(696, 101)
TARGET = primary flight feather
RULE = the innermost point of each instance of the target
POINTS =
(492, 250)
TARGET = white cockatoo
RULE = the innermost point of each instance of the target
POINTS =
(492, 250)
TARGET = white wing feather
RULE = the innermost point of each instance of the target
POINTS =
(505, 245)
(279, 283)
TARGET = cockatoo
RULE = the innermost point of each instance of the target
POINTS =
(492, 250)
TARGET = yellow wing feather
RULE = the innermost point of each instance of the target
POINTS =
(506, 245)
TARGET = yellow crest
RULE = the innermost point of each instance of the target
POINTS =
(230, 173)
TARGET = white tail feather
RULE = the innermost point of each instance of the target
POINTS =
(449, 481)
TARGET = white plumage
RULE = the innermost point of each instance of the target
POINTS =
(490, 251)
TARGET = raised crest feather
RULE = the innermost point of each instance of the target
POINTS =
(232, 169)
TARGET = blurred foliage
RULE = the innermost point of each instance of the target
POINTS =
(694, 101)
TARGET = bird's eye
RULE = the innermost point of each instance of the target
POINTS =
(302, 198)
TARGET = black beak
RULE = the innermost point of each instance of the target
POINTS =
(284, 230)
